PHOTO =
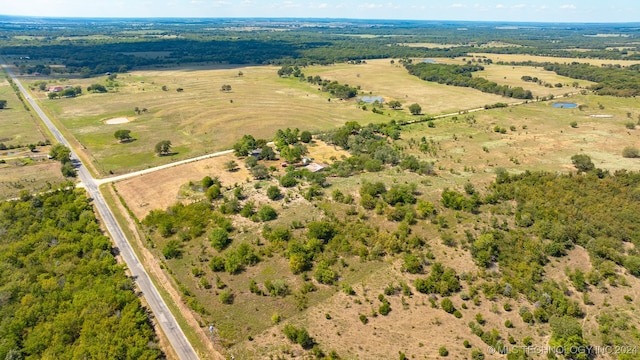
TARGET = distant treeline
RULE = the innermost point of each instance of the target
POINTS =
(460, 75)
(97, 46)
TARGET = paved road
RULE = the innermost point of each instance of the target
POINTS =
(159, 308)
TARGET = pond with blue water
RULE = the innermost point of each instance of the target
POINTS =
(371, 99)
(564, 105)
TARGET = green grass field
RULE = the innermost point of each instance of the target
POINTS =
(198, 120)
(17, 125)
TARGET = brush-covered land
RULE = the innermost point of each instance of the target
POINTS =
(396, 190)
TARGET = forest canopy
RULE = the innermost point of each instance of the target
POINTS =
(62, 293)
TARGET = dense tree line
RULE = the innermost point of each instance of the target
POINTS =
(611, 80)
(62, 293)
(461, 75)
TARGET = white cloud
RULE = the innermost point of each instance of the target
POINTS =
(370, 6)
(500, 6)
(518, 6)
(458, 6)
(568, 6)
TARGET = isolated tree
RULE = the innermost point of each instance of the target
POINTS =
(123, 135)
(394, 104)
(163, 147)
(3, 104)
(61, 153)
(306, 137)
(415, 109)
(225, 88)
(32, 147)
(164, 88)
(582, 162)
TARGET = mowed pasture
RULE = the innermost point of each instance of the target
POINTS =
(393, 82)
(198, 119)
(17, 125)
(551, 59)
(512, 76)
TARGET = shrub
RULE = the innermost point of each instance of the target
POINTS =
(226, 297)
(217, 264)
(273, 192)
(443, 351)
(385, 308)
(325, 275)
(573, 124)
(630, 125)
(412, 264)
(582, 162)
(267, 213)
(363, 319)
(299, 336)
(219, 238)
(447, 305)
(508, 324)
(477, 355)
(172, 250)
(630, 152)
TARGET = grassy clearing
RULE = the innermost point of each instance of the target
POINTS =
(522, 57)
(17, 125)
(542, 138)
(511, 75)
(198, 120)
(25, 174)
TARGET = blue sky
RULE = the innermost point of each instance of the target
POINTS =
(506, 10)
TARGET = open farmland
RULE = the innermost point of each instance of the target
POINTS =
(552, 59)
(198, 119)
(17, 125)
(393, 82)
(511, 75)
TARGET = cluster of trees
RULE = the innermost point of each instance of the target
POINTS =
(611, 80)
(64, 293)
(341, 91)
(97, 88)
(3, 104)
(460, 75)
(63, 154)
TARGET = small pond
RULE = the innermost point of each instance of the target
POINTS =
(371, 99)
(564, 105)
(429, 61)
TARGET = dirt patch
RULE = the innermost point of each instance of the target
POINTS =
(116, 121)
(161, 189)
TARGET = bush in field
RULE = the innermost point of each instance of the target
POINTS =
(630, 152)
(267, 213)
(299, 336)
(219, 238)
(172, 250)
